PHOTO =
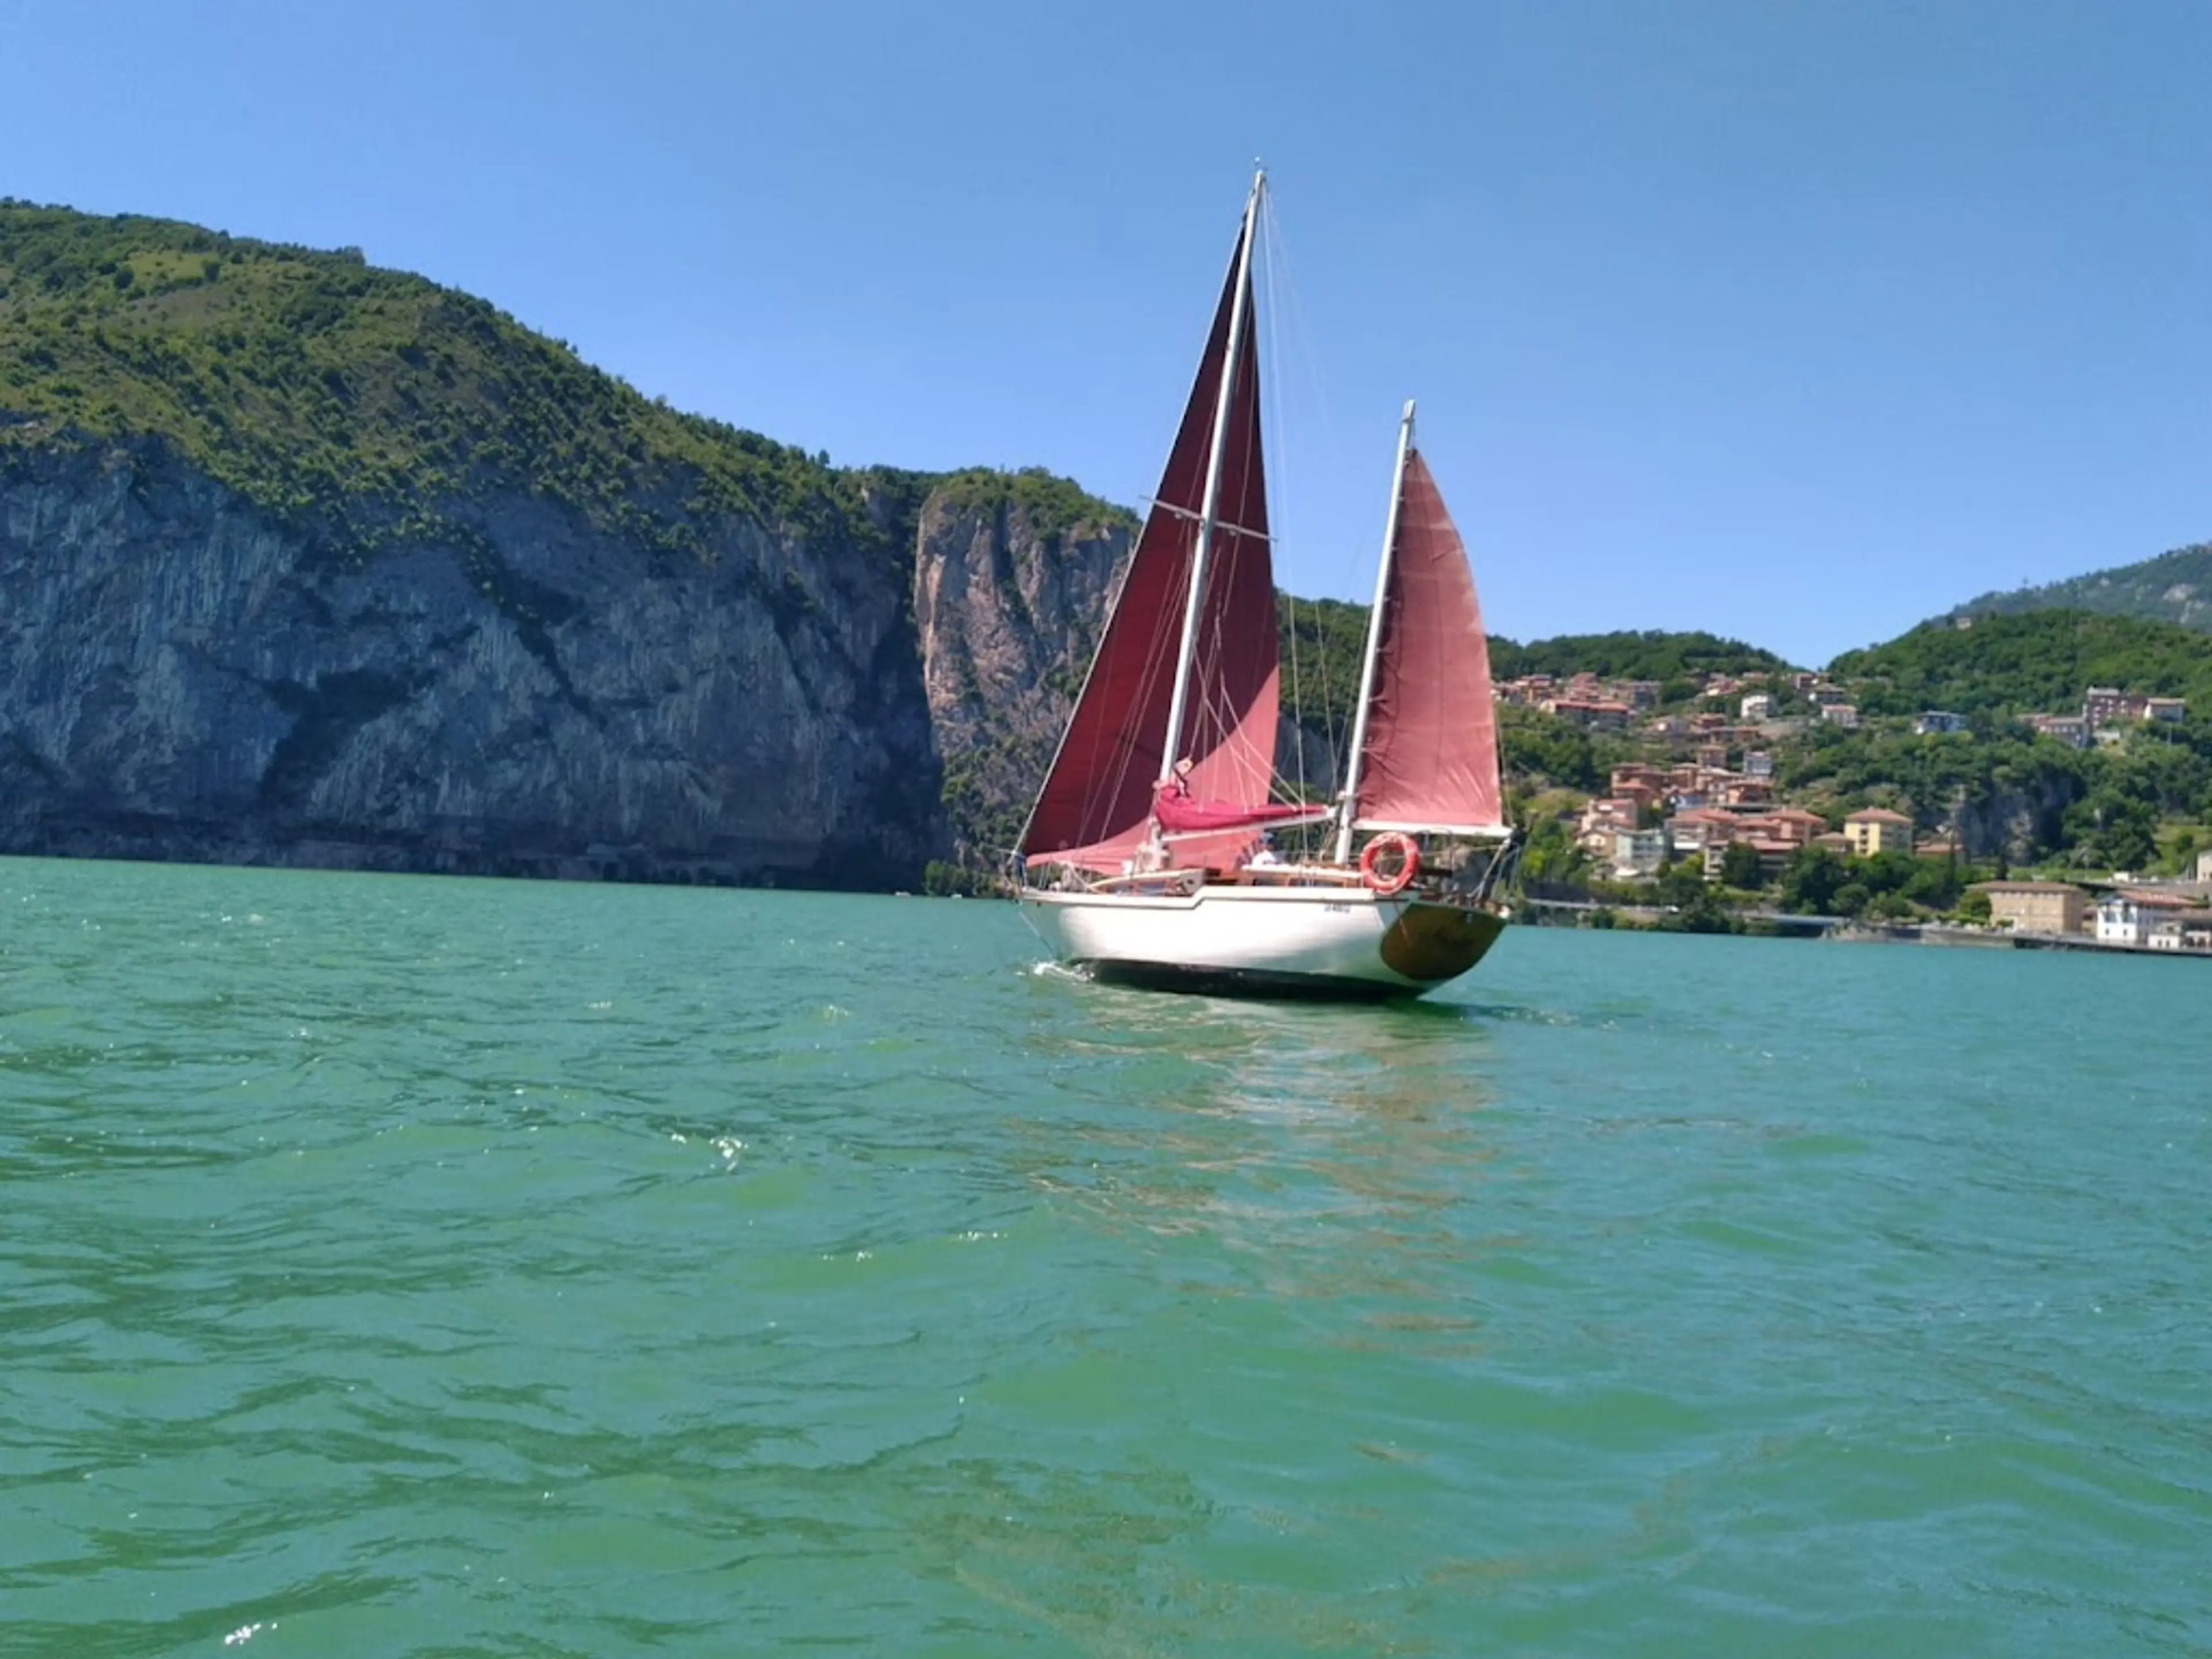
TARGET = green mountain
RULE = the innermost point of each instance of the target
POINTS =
(304, 561)
(2175, 587)
(343, 397)
(2038, 661)
(1650, 656)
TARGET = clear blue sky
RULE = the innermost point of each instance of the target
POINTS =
(1800, 322)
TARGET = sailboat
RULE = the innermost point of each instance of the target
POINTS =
(1148, 856)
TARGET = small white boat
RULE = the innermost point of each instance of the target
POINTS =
(1144, 859)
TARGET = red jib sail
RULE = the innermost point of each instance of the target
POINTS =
(1431, 761)
(1098, 801)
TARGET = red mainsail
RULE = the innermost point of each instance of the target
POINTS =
(1099, 798)
(1430, 759)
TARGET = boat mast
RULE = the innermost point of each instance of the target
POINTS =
(1210, 508)
(1350, 803)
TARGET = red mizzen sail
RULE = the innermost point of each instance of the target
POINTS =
(1098, 801)
(1430, 760)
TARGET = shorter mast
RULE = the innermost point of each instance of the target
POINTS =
(1210, 502)
(1350, 803)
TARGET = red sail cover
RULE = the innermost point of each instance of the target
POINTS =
(1095, 804)
(1181, 815)
(1432, 755)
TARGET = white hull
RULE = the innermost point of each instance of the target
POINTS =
(1326, 940)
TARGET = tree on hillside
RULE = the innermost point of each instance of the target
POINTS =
(1740, 867)
(1811, 882)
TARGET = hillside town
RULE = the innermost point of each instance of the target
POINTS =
(1703, 813)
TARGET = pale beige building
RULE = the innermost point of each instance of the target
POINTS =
(2035, 907)
(1878, 830)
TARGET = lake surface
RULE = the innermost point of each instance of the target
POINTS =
(397, 1266)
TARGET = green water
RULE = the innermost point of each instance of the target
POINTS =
(418, 1267)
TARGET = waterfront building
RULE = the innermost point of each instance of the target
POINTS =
(2127, 915)
(2035, 907)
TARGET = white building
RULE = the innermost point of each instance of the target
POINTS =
(2120, 921)
(1638, 853)
(1758, 706)
(2130, 917)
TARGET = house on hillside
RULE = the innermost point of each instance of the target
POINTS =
(1758, 706)
(1602, 820)
(1938, 720)
(1601, 713)
(2103, 706)
(2065, 728)
(1638, 853)
(1843, 714)
(1774, 855)
(1699, 829)
(1795, 825)
(1877, 829)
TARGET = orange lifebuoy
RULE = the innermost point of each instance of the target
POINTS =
(1409, 864)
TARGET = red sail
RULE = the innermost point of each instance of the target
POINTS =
(1432, 754)
(1096, 802)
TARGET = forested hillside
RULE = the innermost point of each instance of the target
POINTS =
(2040, 661)
(2174, 588)
(1650, 656)
(351, 399)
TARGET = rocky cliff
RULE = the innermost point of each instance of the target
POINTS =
(1012, 581)
(304, 561)
(182, 676)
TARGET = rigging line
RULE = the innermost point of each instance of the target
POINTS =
(1296, 321)
(1271, 239)
(1294, 315)
(1286, 310)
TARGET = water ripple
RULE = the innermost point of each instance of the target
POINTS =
(465, 1267)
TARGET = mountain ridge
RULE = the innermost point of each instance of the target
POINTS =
(2174, 587)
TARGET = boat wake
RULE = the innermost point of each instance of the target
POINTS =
(1061, 970)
